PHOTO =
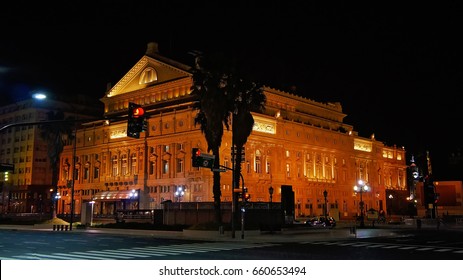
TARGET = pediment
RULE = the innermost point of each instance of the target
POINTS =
(149, 71)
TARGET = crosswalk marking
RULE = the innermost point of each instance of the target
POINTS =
(140, 252)
(385, 246)
(443, 250)
(408, 248)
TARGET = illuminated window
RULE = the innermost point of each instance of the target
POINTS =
(148, 75)
(165, 167)
(179, 165)
(114, 166)
(133, 163)
(258, 167)
(124, 167)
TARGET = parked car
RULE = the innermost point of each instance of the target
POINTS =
(321, 222)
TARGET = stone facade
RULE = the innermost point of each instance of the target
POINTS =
(296, 142)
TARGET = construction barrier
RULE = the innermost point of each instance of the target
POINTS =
(60, 227)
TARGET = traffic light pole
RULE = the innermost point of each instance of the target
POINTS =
(234, 200)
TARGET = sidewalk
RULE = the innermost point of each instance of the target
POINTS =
(298, 234)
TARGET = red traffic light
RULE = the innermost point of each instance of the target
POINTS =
(138, 112)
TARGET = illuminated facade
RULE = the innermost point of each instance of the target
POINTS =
(296, 142)
(27, 188)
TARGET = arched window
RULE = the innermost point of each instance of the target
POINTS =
(148, 75)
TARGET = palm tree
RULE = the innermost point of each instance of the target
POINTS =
(224, 97)
(54, 133)
(213, 112)
(248, 97)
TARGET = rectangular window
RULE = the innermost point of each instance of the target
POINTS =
(96, 173)
(165, 167)
(179, 165)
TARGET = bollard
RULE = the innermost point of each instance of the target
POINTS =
(54, 227)
(221, 231)
(418, 223)
(62, 227)
(66, 227)
(353, 230)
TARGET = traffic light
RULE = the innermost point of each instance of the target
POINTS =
(195, 157)
(246, 195)
(136, 122)
(200, 159)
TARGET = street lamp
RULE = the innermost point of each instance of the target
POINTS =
(325, 194)
(361, 187)
(134, 195)
(56, 198)
(74, 148)
(390, 204)
(179, 193)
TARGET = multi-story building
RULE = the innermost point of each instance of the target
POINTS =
(296, 142)
(26, 189)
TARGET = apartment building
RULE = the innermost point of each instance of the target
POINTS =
(28, 187)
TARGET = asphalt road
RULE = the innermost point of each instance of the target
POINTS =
(405, 244)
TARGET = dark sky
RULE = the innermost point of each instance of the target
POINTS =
(396, 68)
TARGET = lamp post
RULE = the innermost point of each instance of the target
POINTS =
(325, 194)
(134, 195)
(56, 198)
(389, 210)
(74, 146)
(270, 191)
(361, 187)
(179, 193)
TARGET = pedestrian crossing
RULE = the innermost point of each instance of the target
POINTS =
(141, 252)
(432, 248)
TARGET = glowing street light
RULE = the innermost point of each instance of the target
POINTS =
(361, 187)
(179, 193)
(39, 96)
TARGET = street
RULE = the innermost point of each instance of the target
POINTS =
(409, 244)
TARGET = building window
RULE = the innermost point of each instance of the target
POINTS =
(124, 165)
(165, 167)
(133, 164)
(96, 172)
(148, 75)
(258, 167)
(115, 169)
(86, 173)
(180, 165)
(152, 167)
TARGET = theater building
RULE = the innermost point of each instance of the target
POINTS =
(297, 143)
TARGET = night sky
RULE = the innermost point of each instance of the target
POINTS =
(396, 68)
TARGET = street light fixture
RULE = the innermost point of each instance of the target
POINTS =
(179, 193)
(389, 210)
(361, 187)
(56, 198)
